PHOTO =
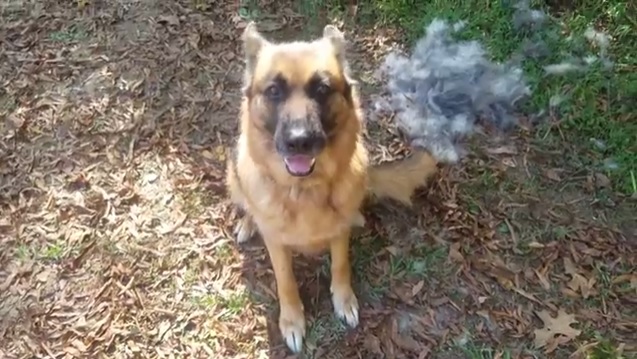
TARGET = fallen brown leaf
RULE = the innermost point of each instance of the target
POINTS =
(553, 175)
(454, 253)
(555, 329)
(602, 181)
(578, 281)
(168, 19)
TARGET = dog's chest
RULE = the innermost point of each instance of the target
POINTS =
(304, 217)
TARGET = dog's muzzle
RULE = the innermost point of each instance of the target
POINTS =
(299, 147)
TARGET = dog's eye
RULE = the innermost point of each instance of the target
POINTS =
(273, 92)
(322, 89)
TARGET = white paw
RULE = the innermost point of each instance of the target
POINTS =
(346, 305)
(245, 229)
(292, 326)
(359, 220)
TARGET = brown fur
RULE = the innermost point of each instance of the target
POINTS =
(314, 213)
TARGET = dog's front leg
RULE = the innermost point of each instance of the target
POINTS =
(245, 228)
(343, 297)
(291, 316)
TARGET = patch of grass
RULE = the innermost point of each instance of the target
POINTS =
(466, 348)
(419, 263)
(484, 352)
(191, 276)
(23, 252)
(597, 115)
(602, 346)
(604, 350)
(7, 103)
(224, 251)
(320, 329)
(73, 33)
(249, 9)
(604, 277)
(226, 306)
(196, 202)
(51, 251)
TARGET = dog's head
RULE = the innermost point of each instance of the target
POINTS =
(299, 95)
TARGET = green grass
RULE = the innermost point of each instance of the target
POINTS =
(23, 252)
(419, 263)
(597, 118)
(70, 34)
(466, 348)
(227, 306)
(604, 350)
(53, 251)
(327, 325)
(249, 10)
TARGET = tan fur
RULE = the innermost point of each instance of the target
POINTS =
(398, 180)
(316, 213)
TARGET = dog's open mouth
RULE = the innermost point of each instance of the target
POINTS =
(299, 165)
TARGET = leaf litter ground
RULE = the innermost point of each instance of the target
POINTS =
(115, 225)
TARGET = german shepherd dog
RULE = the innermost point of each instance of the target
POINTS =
(300, 172)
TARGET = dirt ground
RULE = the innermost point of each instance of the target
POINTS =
(115, 233)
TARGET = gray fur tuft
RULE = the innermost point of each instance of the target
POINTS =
(439, 92)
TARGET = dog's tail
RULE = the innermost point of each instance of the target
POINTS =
(399, 179)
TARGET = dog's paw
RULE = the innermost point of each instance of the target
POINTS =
(245, 229)
(292, 326)
(346, 305)
(359, 220)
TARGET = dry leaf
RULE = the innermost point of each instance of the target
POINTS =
(393, 250)
(81, 4)
(553, 175)
(220, 153)
(535, 245)
(578, 283)
(554, 328)
(543, 280)
(193, 40)
(602, 181)
(496, 268)
(417, 288)
(208, 155)
(168, 19)
(454, 253)
(503, 150)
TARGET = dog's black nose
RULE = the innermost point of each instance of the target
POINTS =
(302, 141)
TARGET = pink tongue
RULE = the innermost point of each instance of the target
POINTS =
(299, 164)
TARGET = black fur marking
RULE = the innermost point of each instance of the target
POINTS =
(318, 88)
(348, 94)
(275, 93)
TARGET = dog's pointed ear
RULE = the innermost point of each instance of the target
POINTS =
(253, 43)
(337, 39)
